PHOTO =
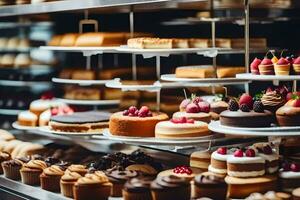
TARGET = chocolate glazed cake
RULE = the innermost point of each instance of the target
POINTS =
(91, 121)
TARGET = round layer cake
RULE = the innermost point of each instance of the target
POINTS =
(169, 129)
(289, 114)
(200, 116)
(246, 119)
(124, 125)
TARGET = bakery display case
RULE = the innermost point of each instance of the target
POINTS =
(149, 99)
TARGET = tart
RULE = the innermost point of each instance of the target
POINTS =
(254, 66)
(136, 123)
(137, 189)
(282, 67)
(296, 66)
(266, 67)
(181, 128)
(289, 176)
(289, 114)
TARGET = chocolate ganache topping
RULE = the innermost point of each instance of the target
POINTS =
(119, 175)
(169, 182)
(139, 184)
(209, 180)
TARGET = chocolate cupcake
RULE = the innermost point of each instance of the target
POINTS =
(210, 186)
(31, 171)
(118, 178)
(67, 182)
(80, 169)
(137, 189)
(94, 186)
(4, 157)
(170, 187)
(11, 169)
(50, 178)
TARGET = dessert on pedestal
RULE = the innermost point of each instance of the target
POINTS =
(289, 114)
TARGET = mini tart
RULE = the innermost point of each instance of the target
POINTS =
(170, 187)
(218, 163)
(80, 169)
(283, 69)
(67, 182)
(137, 189)
(121, 125)
(118, 179)
(246, 119)
(210, 186)
(201, 116)
(170, 172)
(143, 169)
(92, 186)
(31, 171)
(296, 194)
(288, 115)
(4, 157)
(266, 69)
(200, 159)
(289, 180)
(50, 178)
(27, 118)
(168, 129)
(239, 188)
(245, 166)
(11, 169)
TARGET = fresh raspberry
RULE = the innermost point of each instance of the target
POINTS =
(182, 170)
(295, 167)
(246, 99)
(222, 150)
(197, 100)
(238, 153)
(125, 112)
(175, 121)
(136, 113)
(204, 106)
(149, 114)
(54, 111)
(250, 153)
(143, 112)
(183, 120)
(233, 105)
(244, 108)
(132, 109)
(192, 108)
(184, 103)
(258, 106)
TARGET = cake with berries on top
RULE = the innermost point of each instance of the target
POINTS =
(135, 122)
(181, 128)
(289, 114)
(195, 108)
(245, 164)
(181, 171)
(246, 113)
(266, 67)
(289, 176)
(218, 161)
(254, 66)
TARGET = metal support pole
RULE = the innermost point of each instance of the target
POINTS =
(247, 36)
(158, 100)
(131, 22)
(100, 61)
(213, 39)
(88, 62)
(134, 68)
(158, 67)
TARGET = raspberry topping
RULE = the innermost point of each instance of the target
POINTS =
(238, 153)
(134, 112)
(182, 120)
(266, 61)
(47, 95)
(184, 103)
(283, 61)
(192, 108)
(197, 100)
(183, 170)
(295, 167)
(250, 153)
(222, 150)
(204, 106)
(62, 110)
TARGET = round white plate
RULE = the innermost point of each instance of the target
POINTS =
(215, 126)
(47, 129)
(155, 141)
(17, 126)
(118, 85)
(89, 102)
(249, 76)
(80, 82)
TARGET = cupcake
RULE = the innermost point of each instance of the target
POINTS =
(11, 169)
(31, 171)
(118, 178)
(210, 186)
(272, 100)
(94, 186)
(170, 187)
(50, 178)
(80, 169)
(137, 189)
(4, 157)
(296, 66)
(266, 67)
(67, 182)
(254, 66)
(282, 67)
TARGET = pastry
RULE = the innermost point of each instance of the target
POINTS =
(12, 43)
(83, 75)
(180, 43)
(200, 159)
(272, 100)
(282, 67)
(67, 182)
(185, 172)
(218, 106)
(79, 93)
(254, 66)
(271, 157)
(100, 39)
(137, 189)
(94, 186)
(202, 71)
(198, 43)
(143, 169)
(7, 60)
(45, 117)
(149, 43)
(289, 176)
(80, 169)
(126, 123)
(239, 188)
(29, 150)
(210, 186)
(40, 105)
(55, 40)
(241, 115)
(22, 60)
(228, 72)
(31, 171)
(289, 114)
(170, 187)
(296, 194)
(118, 178)
(181, 128)
(11, 169)
(27, 118)
(5, 135)
(68, 40)
(4, 157)
(218, 163)
(90, 121)
(222, 43)
(246, 164)
(50, 178)
(266, 67)
(296, 66)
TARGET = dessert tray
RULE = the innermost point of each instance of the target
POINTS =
(215, 126)
(80, 82)
(89, 102)
(17, 126)
(249, 76)
(87, 51)
(46, 129)
(154, 141)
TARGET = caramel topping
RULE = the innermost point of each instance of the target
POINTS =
(36, 164)
(77, 168)
(54, 170)
(96, 178)
(70, 176)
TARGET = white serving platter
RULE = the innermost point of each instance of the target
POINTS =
(80, 82)
(17, 126)
(89, 102)
(87, 51)
(249, 76)
(47, 129)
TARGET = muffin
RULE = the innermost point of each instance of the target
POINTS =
(50, 178)
(94, 186)
(170, 187)
(4, 157)
(118, 178)
(11, 169)
(31, 171)
(80, 169)
(67, 182)
(137, 189)
(210, 186)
